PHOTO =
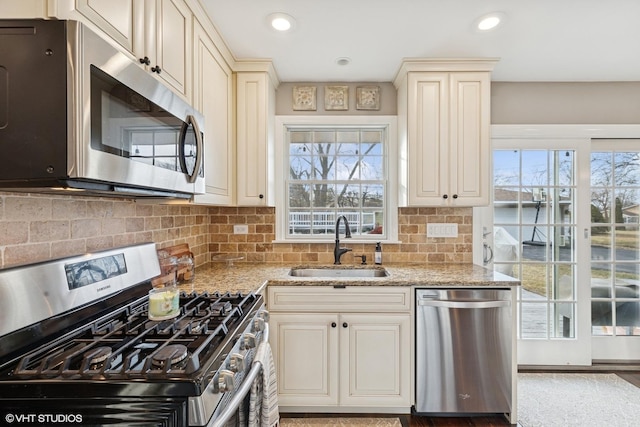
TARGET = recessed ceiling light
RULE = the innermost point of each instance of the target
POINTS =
(489, 21)
(281, 21)
(343, 61)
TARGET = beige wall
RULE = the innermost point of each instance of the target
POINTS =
(284, 100)
(565, 103)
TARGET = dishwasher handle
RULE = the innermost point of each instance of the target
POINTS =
(463, 304)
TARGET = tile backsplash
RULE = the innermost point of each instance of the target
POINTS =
(40, 227)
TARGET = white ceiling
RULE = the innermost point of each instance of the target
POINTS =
(541, 40)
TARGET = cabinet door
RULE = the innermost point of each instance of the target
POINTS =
(375, 360)
(428, 139)
(469, 138)
(255, 138)
(212, 96)
(305, 351)
(168, 42)
(115, 17)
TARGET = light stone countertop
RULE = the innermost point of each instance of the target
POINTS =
(246, 277)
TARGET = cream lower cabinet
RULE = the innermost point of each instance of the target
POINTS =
(341, 350)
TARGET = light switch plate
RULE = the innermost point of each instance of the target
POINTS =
(240, 229)
(442, 230)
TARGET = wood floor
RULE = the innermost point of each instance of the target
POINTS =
(479, 421)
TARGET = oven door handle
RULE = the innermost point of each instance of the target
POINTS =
(241, 393)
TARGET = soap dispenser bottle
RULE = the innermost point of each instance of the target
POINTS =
(378, 254)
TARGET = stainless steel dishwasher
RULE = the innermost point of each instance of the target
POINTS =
(463, 351)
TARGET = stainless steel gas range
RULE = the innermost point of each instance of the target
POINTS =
(77, 346)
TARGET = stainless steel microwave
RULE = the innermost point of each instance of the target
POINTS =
(78, 114)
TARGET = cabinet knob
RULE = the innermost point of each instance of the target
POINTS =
(145, 60)
(345, 324)
(156, 69)
(261, 196)
(333, 324)
(444, 196)
(455, 196)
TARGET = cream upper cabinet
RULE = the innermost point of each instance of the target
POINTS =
(444, 120)
(157, 33)
(255, 137)
(213, 97)
(163, 43)
(341, 349)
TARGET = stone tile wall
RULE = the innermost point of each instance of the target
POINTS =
(257, 246)
(40, 227)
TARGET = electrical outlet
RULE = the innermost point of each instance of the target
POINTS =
(241, 229)
(442, 230)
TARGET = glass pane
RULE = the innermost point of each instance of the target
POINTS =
(565, 283)
(371, 168)
(565, 323)
(348, 168)
(534, 279)
(299, 222)
(534, 320)
(300, 167)
(343, 136)
(626, 240)
(372, 149)
(299, 195)
(600, 205)
(506, 205)
(349, 196)
(324, 149)
(324, 195)
(565, 168)
(506, 167)
(601, 243)
(627, 169)
(300, 139)
(628, 316)
(601, 170)
(324, 168)
(324, 136)
(323, 222)
(535, 170)
(372, 195)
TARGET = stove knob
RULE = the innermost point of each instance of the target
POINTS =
(258, 324)
(236, 362)
(225, 381)
(264, 315)
(249, 340)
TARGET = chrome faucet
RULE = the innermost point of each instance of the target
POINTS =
(338, 251)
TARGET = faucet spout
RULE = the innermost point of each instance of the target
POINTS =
(337, 250)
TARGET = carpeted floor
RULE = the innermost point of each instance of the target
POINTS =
(574, 399)
(340, 422)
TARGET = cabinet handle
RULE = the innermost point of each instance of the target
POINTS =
(444, 196)
(145, 60)
(156, 69)
(455, 196)
(345, 324)
(333, 324)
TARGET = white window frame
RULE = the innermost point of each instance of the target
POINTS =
(284, 123)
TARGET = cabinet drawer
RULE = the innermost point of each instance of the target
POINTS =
(328, 298)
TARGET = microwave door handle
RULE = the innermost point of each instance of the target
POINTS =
(199, 148)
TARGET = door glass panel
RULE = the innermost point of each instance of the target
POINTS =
(615, 243)
(534, 237)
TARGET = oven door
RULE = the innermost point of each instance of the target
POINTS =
(136, 131)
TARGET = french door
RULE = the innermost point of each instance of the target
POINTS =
(540, 238)
(615, 249)
(565, 221)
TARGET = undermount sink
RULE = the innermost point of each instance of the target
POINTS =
(338, 272)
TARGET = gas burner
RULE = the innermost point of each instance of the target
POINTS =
(221, 308)
(98, 355)
(175, 353)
